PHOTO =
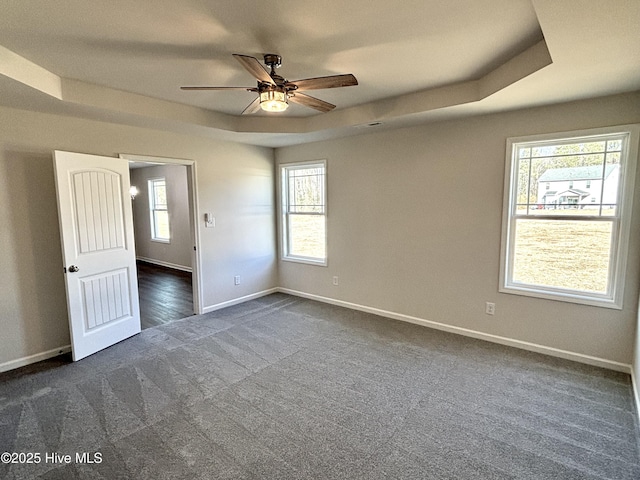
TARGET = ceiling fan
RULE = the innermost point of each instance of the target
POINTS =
(275, 92)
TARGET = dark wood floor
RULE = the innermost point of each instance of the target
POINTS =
(165, 294)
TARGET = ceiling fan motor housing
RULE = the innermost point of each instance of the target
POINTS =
(273, 60)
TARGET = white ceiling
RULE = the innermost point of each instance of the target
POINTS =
(416, 60)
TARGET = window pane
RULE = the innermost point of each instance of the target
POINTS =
(159, 194)
(161, 224)
(569, 254)
(306, 190)
(158, 210)
(568, 148)
(524, 152)
(614, 145)
(304, 212)
(563, 236)
(523, 184)
(569, 176)
(307, 236)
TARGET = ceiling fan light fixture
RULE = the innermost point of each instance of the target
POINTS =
(274, 100)
(275, 91)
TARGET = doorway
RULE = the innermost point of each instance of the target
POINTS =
(165, 224)
(165, 294)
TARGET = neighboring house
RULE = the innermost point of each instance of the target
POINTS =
(578, 186)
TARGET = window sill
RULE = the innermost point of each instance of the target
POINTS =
(306, 260)
(582, 299)
(158, 240)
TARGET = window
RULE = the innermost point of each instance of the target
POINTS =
(565, 243)
(304, 217)
(158, 209)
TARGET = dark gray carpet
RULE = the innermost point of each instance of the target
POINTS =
(286, 388)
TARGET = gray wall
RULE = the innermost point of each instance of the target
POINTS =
(179, 251)
(235, 181)
(414, 224)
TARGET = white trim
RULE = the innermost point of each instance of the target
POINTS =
(560, 296)
(31, 74)
(532, 347)
(38, 357)
(635, 387)
(305, 260)
(282, 199)
(164, 264)
(151, 189)
(192, 181)
(620, 222)
(236, 301)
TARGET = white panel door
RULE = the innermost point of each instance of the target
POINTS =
(96, 227)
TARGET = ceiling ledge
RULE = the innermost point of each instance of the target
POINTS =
(119, 101)
(157, 112)
(24, 71)
(531, 60)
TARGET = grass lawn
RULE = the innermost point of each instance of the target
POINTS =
(307, 236)
(572, 254)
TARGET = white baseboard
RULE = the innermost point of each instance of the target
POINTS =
(532, 347)
(236, 301)
(164, 264)
(38, 357)
(21, 362)
(554, 352)
(635, 386)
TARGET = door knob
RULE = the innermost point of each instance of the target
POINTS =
(73, 269)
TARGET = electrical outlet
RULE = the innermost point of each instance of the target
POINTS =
(335, 280)
(490, 308)
(236, 280)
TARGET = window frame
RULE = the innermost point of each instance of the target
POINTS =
(152, 209)
(284, 212)
(621, 222)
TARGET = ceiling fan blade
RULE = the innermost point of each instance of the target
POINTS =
(253, 107)
(332, 81)
(249, 89)
(313, 102)
(255, 68)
